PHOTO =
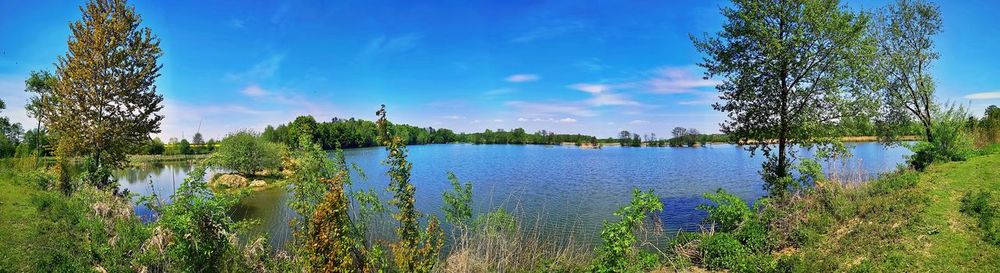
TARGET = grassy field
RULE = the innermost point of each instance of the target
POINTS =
(17, 215)
(906, 222)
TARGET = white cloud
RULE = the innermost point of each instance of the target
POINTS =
(983, 96)
(673, 80)
(236, 23)
(261, 70)
(567, 120)
(499, 91)
(522, 119)
(611, 99)
(701, 98)
(384, 45)
(254, 90)
(593, 88)
(454, 117)
(523, 78)
(497, 120)
(552, 30)
(533, 109)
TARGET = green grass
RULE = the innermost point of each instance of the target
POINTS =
(16, 222)
(904, 222)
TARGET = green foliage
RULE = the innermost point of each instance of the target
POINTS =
(729, 211)
(722, 251)
(247, 153)
(200, 232)
(904, 32)
(791, 70)
(985, 207)
(104, 104)
(458, 202)
(10, 134)
(496, 222)
(950, 142)
(618, 252)
(415, 251)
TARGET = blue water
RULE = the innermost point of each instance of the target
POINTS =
(559, 189)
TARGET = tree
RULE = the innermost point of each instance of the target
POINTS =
(246, 153)
(10, 134)
(906, 50)
(787, 67)
(184, 147)
(105, 102)
(41, 83)
(678, 132)
(198, 139)
(415, 251)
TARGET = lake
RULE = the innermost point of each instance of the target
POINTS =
(563, 190)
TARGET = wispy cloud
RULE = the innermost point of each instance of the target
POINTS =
(701, 98)
(454, 117)
(499, 91)
(387, 45)
(995, 95)
(542, 110)
(638, 121)
(552, 30)
(235, 23)
(523, 78)
(254, 90)
(603, 95)
(610, 99)
(673, 80)
(261, 70)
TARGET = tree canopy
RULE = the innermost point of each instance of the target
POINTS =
(104, 103)
(787, 69)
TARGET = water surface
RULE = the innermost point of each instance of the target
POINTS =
(563, 190)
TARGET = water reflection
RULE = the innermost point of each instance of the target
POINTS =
(563, 191)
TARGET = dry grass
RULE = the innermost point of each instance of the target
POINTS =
(495, 247)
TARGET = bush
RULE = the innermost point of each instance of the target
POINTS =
(729, 211)
(984, 206)
(722, 251)
(618, 252)
(458, 202)
(950, 142)
(246, 153)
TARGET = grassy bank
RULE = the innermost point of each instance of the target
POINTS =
(909, 222)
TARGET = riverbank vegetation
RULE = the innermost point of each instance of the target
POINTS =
(796, 74)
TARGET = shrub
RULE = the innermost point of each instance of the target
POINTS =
(755, 236)
(984, 206)
(198, 228)
(246, 153)
(496, 222)
(458, 202)
(950, 142)
(618, 251)
(722, 251)
(729, 211)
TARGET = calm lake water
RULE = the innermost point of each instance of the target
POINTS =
(562, 190)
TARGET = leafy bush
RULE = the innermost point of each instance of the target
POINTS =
(618, 252)
(458, 202)
(246, 153)
(985, 207)
(722, 251)
(200, 231)
(496, 222)
(950, 142)
(729, 211)
(755, 236)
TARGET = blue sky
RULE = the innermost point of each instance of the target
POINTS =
(593, 67)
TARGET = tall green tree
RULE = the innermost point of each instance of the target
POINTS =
(787, 67)
(10, 134)
(105, 102)
(41, 83)
(415, 251)
(905, 33)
